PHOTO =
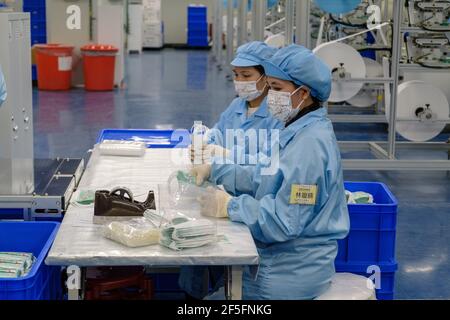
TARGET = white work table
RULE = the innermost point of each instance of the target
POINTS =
(80, 243)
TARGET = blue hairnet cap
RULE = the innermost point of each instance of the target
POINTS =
(253, 54)
(301, 66)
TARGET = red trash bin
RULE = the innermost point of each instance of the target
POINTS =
(99, 67)
(54, 66)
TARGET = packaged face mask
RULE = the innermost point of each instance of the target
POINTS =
(25, 259)
(188, 234)
(358, 197)
(86, 197)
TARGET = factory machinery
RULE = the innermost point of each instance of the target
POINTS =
(372, 47)
(30, 188)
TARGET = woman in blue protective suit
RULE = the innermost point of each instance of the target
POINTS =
(296, 211)
(246, 114)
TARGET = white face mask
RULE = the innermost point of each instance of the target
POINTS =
(248, 90)
(280, 105)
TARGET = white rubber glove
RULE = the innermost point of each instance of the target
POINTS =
(215, 203)
(206, 152)
(201, 173)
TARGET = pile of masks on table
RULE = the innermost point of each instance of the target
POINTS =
(170, 228)
(176, 233)
(15, 264)
(358, 197)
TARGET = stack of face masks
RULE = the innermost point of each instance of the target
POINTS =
(358, 197)
(15, 264)
(182, 234)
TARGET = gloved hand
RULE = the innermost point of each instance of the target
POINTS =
(206, 152)
(215, 203)
(201, 173)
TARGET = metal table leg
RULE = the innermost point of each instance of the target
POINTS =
(233, 282)
(75, 281)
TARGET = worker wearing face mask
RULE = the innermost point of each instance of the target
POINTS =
(247, 112)
(2, 87)
(296, 213)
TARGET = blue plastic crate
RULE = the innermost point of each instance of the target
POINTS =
(387, 276)
(197, 34)
(36, 13)
(38, 39)
(34, 3)
(197, 41)
(43, 282)
(153, 138)
(11, 214)
(198, 26)
(38, 28)
(34, 73)
(372, 226)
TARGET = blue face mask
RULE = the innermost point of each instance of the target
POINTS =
(2, 88)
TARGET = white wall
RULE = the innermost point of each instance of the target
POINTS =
(174, 15)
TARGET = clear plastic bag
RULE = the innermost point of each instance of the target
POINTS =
(134, 233)
(182, 190)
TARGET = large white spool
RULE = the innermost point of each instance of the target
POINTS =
(334, 54)
(417, 94)
(276, 41)
(367, 97)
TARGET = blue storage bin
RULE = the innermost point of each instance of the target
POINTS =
(198, 26)
(37, 14)
(11, 214)
(43, 282)
(153, 138)
(372, 226)
(199, 14)
(34, 73)
(34, 3)
(38, 39)
(198, 34)
(198, 41)
(387, 276)
(38, 28)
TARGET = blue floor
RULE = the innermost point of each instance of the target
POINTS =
(172, 88)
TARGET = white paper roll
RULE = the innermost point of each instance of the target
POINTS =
(413, 95)
(335, 54)
(367, 97)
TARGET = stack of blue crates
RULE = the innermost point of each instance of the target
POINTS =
(197, 26)
(370, 245)
(36, 8)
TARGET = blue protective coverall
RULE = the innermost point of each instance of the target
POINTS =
(297, 243)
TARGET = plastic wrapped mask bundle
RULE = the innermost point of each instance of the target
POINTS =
(15, 264)
(122, 148)
(358, 197)
(134, 233)
(183, 234)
